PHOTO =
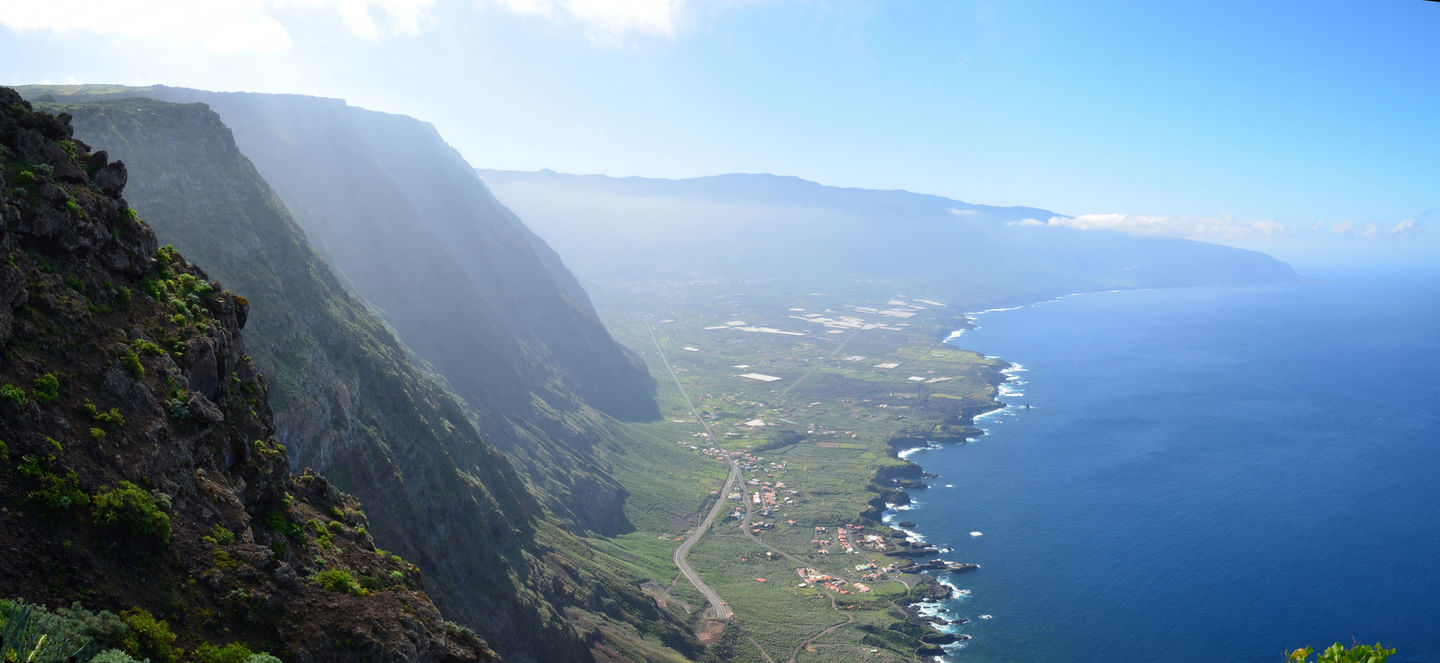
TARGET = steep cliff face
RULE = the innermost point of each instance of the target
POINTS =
(410, 228)
(139, 466)
(350, 403)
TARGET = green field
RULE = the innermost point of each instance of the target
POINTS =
(827, 422)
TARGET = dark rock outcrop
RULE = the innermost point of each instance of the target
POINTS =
(139, 466)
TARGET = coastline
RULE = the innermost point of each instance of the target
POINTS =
(925, 609)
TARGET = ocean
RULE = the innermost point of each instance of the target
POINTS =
(1203, 474)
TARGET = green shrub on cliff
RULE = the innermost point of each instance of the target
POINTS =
(69, 634)
(339, 580)
(1336, 653)
(231, 653)
(131, 506)
(56, 492)
(47, 388)
(149, 636)
(14, 394)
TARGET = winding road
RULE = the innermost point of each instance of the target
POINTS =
(718, 608)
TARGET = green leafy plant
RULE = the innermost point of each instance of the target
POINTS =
(14, 394)
(70, 633)
(231, 653)
(29, 633)
(131, 362)
(47, 388)
(147, 348)
(110, 419)
(56, 492)
(1336, 653)
(148, 636)
(132, 507)
(339, 580)
(219, 535)
(113, 656)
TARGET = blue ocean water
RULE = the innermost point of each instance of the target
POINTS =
(1205, 474)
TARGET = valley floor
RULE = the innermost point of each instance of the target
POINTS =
(795, 552)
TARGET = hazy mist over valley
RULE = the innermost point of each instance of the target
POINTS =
(662, 330)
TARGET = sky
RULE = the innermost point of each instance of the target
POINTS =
(1250, 123)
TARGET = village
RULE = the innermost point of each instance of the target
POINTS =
(760, 506)
(802, 404)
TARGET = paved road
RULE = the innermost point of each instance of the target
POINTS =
(718, 608)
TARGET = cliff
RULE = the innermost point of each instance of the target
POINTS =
(350, 402)
(410, 229)
(139, 468)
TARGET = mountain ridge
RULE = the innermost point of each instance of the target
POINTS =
(141, 471)
(390, 206)
(443, 497)
(743, 227)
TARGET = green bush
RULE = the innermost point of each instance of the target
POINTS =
(104, 628)
(339, 580)
(14, 394)
(231, 653)
(47, 388)
(113, 656)
(111, 419)
(134, 508)
(131, 362)
(70, 634)
(147, 348)
(148, 636)
(262, 657)
(1358, 653)
(28, 633)
(219, 535)
(56, 492)
(177, 409)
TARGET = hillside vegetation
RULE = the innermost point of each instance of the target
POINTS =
(352, 403)
(139, 469)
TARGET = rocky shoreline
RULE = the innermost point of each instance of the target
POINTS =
(891, 485)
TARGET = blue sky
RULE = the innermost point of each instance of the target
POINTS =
(1308, 119)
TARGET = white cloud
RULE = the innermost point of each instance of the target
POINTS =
(374, 19)
(1221, 229)
(961, 212)
(1026, 222)
(223, 26)
(1404, 229)
(1227, 229)
(220, 25)
(608, 22)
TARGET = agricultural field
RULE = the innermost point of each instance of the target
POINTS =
(809, 395)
